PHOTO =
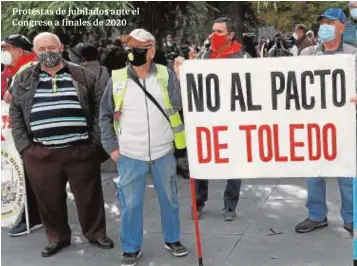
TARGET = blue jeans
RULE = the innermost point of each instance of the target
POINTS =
(130, 193)
(316, 199)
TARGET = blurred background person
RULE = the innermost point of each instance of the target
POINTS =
(75, 43)
(302, 40)
(248, 45)
(171, 50)
(310, 34)
(349, 36)
(89, 55)
(114, 57)
(280, 47)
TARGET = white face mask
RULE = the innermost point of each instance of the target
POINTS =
(6, 58)
(295, 36)
(353, 13)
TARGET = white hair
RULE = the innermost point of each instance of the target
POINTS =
(47, 35)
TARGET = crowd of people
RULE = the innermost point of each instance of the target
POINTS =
(292, 44)
(71, 108)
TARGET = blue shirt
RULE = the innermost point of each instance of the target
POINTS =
(350, 34)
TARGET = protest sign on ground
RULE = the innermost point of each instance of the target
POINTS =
(275, 117)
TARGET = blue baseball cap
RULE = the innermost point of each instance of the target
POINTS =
(333, 14)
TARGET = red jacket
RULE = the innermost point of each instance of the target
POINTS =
(10, 71)
(5, 75)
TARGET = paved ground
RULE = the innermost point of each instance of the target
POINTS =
(264, 204)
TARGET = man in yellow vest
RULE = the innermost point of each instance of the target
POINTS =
(139, 123)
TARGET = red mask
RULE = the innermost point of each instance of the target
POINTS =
(219, 40)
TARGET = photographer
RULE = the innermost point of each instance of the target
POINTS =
(171, 50)
(249, 45)
(280, 47)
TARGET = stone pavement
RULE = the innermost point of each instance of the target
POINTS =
(264, 204)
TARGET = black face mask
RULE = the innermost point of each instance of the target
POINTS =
(137, 56)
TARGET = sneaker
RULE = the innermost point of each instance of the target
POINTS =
(21, 229)
(310, 225)
(130, 259)
(229, 214)
(177, 249)
(349, 227)
(199, 212)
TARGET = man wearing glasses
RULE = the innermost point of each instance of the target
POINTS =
(139, 122)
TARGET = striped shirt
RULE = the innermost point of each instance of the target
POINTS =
(350, 34)
(57, 119)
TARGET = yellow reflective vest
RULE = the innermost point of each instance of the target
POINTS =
(120, 78)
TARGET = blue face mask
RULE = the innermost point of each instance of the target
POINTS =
(327, 33)
(353, 13)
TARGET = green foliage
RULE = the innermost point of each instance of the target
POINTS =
(193, 20)
(290, 13)
(185, 19)
(242, 14)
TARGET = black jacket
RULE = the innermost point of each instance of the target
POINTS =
(24, 89)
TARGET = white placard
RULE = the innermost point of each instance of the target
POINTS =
(12, 175)
(271, 117)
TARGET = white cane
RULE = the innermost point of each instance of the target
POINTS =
(26, 204)
(354, 221)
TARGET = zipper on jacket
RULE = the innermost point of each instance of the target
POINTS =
(148, 120)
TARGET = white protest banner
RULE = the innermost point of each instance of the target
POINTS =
(12, 175)
(272, 117)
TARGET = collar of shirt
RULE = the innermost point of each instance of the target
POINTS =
(64, 69)
(338, 50)
(132, 73)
